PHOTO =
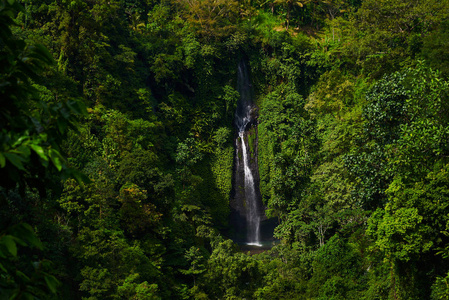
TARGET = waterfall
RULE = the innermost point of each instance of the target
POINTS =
(246, 202)
(252, 211)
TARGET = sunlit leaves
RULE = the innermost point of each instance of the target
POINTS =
(397, 233)
(334, 93)
(391, 31)
(212, 18)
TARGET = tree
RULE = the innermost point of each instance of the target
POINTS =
(196, 259)
(337, 271)
(289, 5)
(287, 155)
(392, 31)
(212, 18)
(33, 123)
(408, 229)
(187, 155)
(230, 273)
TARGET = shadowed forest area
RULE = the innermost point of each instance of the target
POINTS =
(117, 148)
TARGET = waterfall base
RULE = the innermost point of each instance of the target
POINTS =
(256, 249)
(239, 236)
(254, 244)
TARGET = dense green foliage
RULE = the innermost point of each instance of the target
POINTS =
(116, 153)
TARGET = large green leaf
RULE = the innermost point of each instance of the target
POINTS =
(10, 244)
(56, 158)
(15, 159)
(2, 161)
(39, 151)
(26, 233)
(52, 283)
(23, 276)
(80, 177)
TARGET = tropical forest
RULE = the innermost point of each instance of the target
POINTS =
(224, 149)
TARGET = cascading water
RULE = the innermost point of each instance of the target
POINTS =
(252, 211)
(246, 201)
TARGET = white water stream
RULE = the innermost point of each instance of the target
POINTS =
(252, 213)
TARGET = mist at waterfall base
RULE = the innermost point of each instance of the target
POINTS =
(250, 227)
